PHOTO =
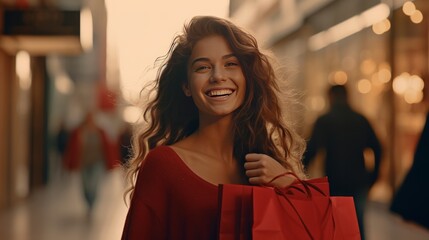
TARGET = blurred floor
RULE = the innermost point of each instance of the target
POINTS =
(58, 212)
(381, 224)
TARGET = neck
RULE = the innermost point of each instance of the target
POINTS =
(215, 137)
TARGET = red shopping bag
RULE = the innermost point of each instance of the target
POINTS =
(345, 219)
(278, 214)
(236, 208)
(281, 216)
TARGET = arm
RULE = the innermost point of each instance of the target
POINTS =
(315, 142)
(141, 223)
(261, 169)
(144, 219)
(375, 145)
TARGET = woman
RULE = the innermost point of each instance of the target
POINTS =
(215, 119)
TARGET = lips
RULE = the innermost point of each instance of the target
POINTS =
(219, 92)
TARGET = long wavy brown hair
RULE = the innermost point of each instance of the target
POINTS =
(171, 116)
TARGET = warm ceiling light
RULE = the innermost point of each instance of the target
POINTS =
(408, 8)
(23, 69)
(381, 27)
(349, 27)
(86, 29)
(417, 17)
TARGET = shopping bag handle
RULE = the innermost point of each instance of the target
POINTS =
(284, 195)
(307, 185)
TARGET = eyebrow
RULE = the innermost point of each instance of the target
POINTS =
(204, 59)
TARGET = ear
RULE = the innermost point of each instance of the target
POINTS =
(186, 90)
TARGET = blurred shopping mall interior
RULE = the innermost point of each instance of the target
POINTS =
(61, 59)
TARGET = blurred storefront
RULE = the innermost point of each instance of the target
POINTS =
(23, 114)
(52, 70)
(378, 48)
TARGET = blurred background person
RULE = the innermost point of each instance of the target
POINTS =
(344, 134)
(411, 200)
(61, 142)
(61, 139)
(90, 152)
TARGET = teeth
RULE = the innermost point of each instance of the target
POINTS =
(220, 92)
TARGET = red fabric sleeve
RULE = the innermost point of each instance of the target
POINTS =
(145, 216)
(142, 223)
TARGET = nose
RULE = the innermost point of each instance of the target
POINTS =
(218, 75)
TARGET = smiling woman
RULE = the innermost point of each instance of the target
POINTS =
(215, 78)
(215, 119)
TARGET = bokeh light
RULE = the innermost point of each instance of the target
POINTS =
(408, 8)
(364, 86)
(417, 17)
(410, 87)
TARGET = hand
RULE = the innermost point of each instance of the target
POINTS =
(261, 169)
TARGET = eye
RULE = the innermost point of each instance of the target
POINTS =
(201, 68)
(231, 64)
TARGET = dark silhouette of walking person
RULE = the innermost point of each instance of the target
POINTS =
(412, 198)
(344, 135)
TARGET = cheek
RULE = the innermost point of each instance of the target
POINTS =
(195, 84)
(242, 92)
(243, 88)
(242, 83)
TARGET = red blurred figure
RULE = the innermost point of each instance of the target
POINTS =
(90, 152)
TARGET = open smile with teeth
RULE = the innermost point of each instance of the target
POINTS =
(219, 92)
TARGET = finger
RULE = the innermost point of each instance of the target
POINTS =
(254, 173)
(257, 181)
(251, 165)
(251, 157)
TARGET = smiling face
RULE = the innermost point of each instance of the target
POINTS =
(215, 78)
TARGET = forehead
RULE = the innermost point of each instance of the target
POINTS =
(211, 47)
